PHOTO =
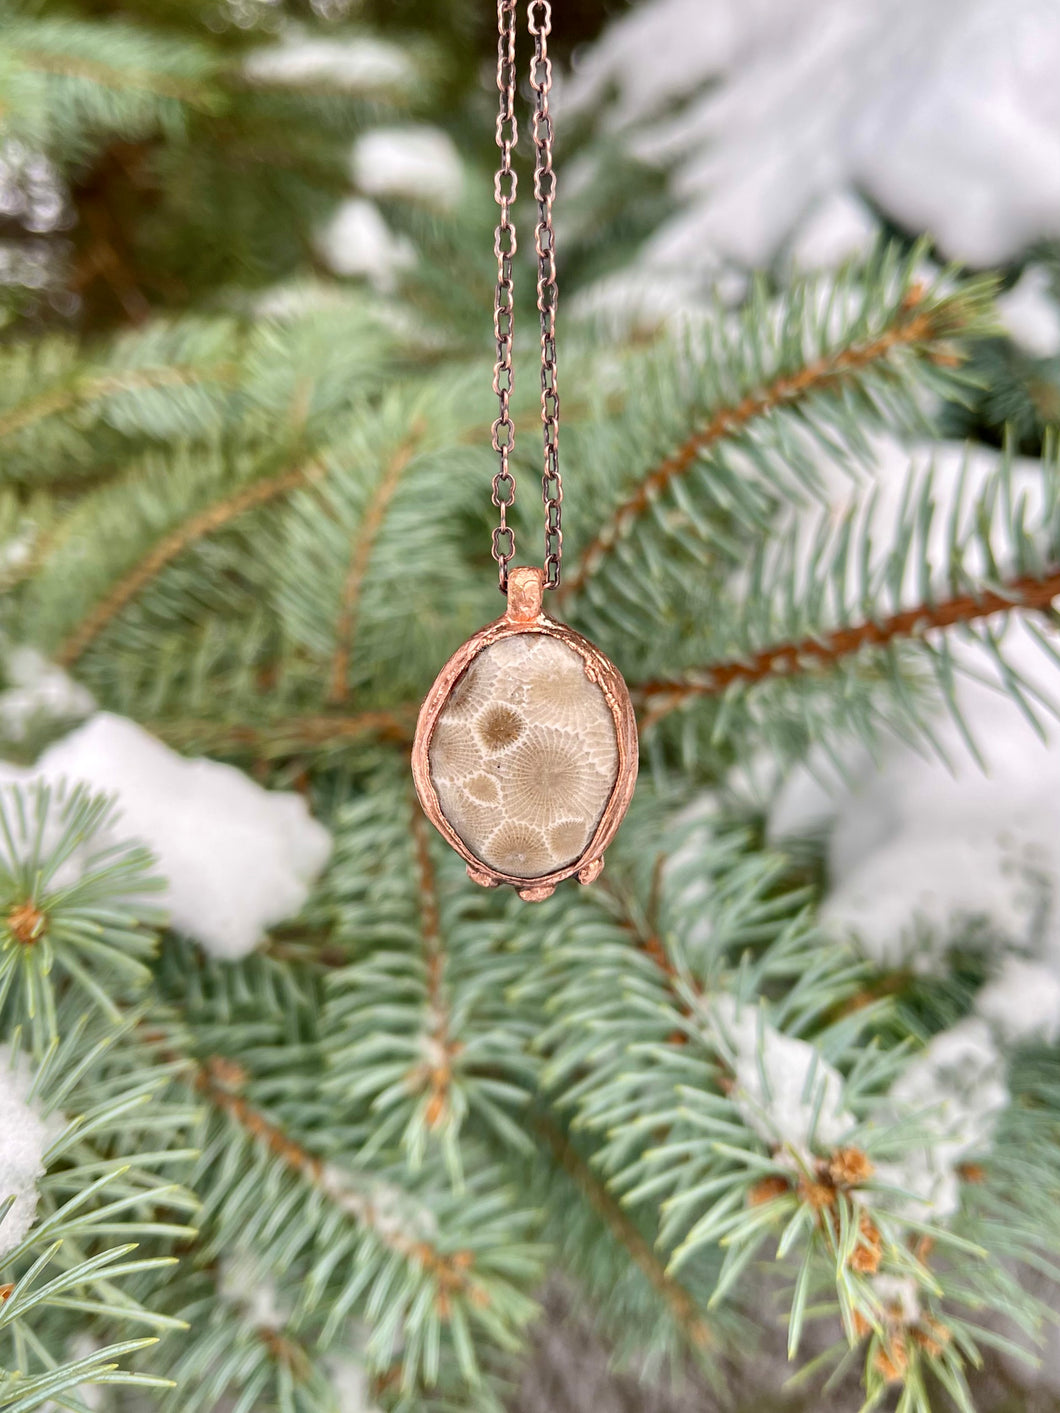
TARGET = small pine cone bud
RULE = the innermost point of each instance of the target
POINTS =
(26, 922)
(866, 1256)
(765, 1190)
(892, 1360)
(861, 1325)
(848, 1167)
(818, 1195)
(971, 1172)
(925, 1245)
(914, 295)
(932, 1336)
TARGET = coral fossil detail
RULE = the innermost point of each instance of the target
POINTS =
(524, 756)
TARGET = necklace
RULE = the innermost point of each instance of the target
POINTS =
(525, 755)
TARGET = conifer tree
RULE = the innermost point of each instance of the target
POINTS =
(300, 1120)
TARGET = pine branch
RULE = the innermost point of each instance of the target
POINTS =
(218, 1081)
(76, 394)
(360, 560)
(658, 698)
(916, 324)
(208, 521)
(120, 80)
(437, 1071)
(677, 1299)
(289, 737)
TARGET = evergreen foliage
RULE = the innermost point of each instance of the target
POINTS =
(253, 516)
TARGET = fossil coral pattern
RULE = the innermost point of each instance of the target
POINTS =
(524, 756)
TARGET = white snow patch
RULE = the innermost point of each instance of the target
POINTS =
(946, 113)
(953, 1093)
(236, 858)
(358, 242)
(839, 227)
(1022, 1002)
(351, 1385)
(917, 847)
(1030, 311)
(17, 551)
(356, 65)
(419, 162)
(899, 1296)
(781, 1082)
(916, 843)
(25, 1136)
(37, 689)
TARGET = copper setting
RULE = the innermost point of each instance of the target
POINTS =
(525, 614)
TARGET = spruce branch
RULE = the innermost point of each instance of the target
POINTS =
(451, 1059)
(442, 1047)
(290, 736)
(218, 1081)
(69, 397)
(205, 522)
(93, 932)
(360, 561)
(56, 64)
(922, 325)
(680, 1303)
(659, 697)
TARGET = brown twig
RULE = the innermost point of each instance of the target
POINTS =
(60, 399)
(363, 545)
(435, 1074)
(219, 1081)
(661, 696)
(162, 85)
(677, 1299)
(287, 737)
(206, 522)
(909, 327)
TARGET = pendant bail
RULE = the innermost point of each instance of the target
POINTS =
(526, 587)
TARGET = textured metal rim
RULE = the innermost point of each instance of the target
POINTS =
(521, 618)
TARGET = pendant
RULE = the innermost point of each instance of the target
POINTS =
(525, 755)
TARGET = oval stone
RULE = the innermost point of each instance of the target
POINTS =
(524, 756)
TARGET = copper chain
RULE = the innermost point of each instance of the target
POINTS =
(539, 15)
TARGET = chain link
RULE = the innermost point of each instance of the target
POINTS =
(539, 16)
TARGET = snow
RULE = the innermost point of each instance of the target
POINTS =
(419, 162)
(356, 65)
(953, 1093)
(839, 227)
(351, 1385)
(780, 1082)
(944, 113)
(1022, 1002)
(1031, 314)
(357, 241)
(237, 858)
(917, 848)
(920, 843)
(36, 689)
(899, 1296)
(17, 551)
(26, 1137)
(31, 190)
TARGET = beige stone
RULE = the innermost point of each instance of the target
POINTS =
(524, 756)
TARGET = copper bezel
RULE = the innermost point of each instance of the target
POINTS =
(525, 615)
